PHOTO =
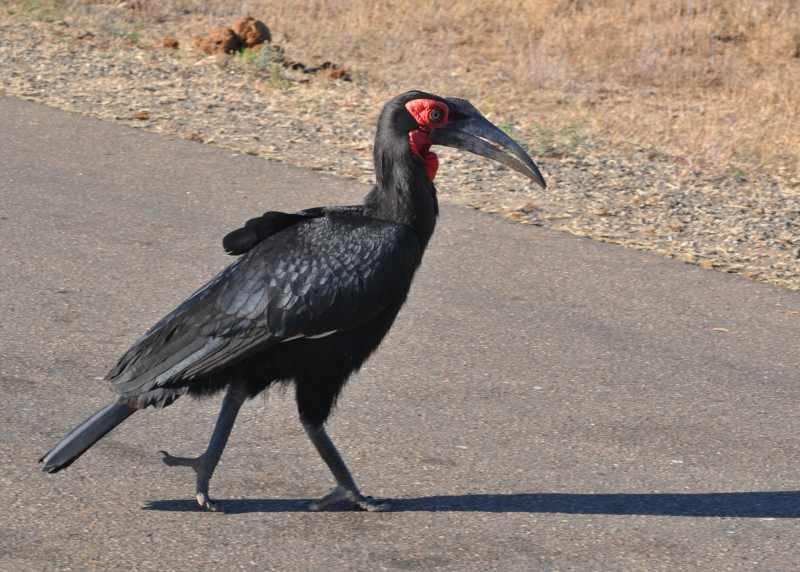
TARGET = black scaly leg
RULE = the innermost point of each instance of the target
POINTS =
(205, 464)
(346, 490)
(315, 398)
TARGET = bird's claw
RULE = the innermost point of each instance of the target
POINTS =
(207, 504)
(370, 504)
(341, 498)
(199, 466)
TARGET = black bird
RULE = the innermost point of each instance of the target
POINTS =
(309, 300)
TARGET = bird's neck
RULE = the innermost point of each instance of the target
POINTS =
(403, 192)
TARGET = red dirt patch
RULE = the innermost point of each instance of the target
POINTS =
(170, 42)
(251, 31)
(218, 41)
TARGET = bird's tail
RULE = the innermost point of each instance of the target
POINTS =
(84, 436)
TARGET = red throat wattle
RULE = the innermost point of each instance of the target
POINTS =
(428, 114)
(420, 143)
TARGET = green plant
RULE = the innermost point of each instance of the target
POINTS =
(263, 57)
(132, 35)
(276, 77)
(248, 56)
(266, 58)
(507, 127)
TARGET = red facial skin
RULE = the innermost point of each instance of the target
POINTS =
(419, 140)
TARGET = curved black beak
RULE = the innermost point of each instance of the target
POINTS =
(469, 130)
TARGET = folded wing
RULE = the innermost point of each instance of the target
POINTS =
(321, 275)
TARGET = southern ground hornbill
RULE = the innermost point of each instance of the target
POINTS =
(309, 300)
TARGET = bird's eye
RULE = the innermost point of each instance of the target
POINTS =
(435, 115)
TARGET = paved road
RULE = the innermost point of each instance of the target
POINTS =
(544, 402)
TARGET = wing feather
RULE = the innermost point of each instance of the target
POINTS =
(312, 279)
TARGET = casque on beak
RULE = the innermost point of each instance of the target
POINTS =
(468, 129)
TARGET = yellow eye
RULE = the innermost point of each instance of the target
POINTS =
(435, 115)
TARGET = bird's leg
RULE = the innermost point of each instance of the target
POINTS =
(346, 490)
(205, 464)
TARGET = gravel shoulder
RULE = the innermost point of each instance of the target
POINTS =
(640, 199)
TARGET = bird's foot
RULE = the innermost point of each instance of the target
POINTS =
(200, 467)
(207, 504)
(342, 498)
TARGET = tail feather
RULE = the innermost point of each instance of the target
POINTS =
(84, 436)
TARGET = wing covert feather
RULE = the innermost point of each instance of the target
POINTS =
(321, 275)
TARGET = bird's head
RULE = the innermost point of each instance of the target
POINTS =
(427, 120)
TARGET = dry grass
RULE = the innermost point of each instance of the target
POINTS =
(708, 79)
(715, 82)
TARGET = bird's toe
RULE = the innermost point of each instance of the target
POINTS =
(343, 499)
(333, 499)
(207, 504)
(373, 505)
(173, 461)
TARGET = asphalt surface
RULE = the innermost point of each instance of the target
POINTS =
(543, 403)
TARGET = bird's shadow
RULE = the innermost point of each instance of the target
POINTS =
(759, 504)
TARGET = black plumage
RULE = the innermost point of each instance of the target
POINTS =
(315, 281)
(311, 296)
